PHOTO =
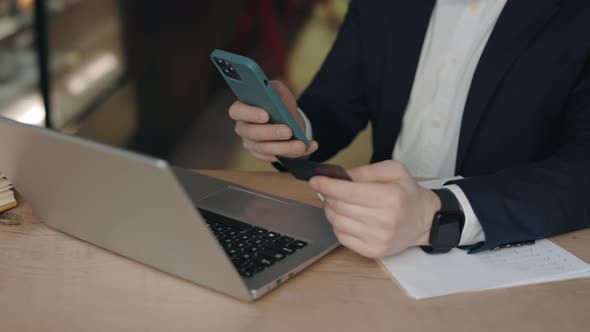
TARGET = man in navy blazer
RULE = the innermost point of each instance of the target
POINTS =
(524, 139)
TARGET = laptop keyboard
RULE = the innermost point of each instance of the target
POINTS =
(251, 249)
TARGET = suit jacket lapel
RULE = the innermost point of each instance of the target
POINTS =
(406, 30)
(518, 24)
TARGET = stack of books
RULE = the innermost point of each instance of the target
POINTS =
(7, 200)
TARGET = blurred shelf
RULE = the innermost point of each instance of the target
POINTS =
(12, 25)
(76, 93)
(86, 61)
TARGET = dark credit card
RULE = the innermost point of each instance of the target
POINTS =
(303, 169)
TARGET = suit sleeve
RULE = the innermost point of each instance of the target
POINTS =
(335, 101)
(543, 199)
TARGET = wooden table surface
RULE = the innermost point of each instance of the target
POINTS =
(52, 282)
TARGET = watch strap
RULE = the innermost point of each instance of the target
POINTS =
(449, 204)
(432, 250)
(448, 200)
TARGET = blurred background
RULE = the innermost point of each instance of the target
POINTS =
(136, 74)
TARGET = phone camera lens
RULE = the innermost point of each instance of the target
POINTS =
(227, 68)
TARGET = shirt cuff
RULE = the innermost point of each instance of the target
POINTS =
(472, 230)
(307, 129)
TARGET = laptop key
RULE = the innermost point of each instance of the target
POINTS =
(240, 245)
(297, 244)
(257, 231)
(231, 232)
(256, 268)
(245, 236)
(231, 251)
(263, 261)
(284, 240)
(244, 264)
(258, 241)
(279, 248)
(277, 256)
(246, 272)
(252, 249)
(238, 261)
(272, 236)
(219, 228)
(246, 255)
(287, 250)
(226, 240)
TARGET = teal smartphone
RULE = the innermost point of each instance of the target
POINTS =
(252, 87)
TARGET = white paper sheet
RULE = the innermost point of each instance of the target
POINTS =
(423, 276)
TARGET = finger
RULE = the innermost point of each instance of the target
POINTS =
(290, 149)
(364, 194)
(243, 112)
(295, 153)
(346, 225)
(385, 171)
(363, 214)
(313, 147)
(263, 132)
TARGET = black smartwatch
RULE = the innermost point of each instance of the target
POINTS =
(447, 224)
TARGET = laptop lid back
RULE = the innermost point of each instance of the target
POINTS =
(124, 202)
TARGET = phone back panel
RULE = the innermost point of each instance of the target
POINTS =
(254, 88)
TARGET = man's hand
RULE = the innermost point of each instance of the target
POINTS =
(264, 140)
(382, 212)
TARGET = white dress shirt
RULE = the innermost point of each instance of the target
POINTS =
(429, 138)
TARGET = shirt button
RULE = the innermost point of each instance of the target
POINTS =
(455, 61)
(435, 124)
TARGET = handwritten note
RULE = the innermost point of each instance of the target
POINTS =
(424, 276)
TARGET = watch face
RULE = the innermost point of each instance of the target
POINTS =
(446, 230)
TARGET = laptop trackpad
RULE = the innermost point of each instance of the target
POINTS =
(247, 206)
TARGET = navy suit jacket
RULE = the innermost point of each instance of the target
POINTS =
(524, 145)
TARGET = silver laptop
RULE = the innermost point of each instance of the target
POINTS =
(223, 236)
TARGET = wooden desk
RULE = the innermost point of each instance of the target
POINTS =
(52, 282)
